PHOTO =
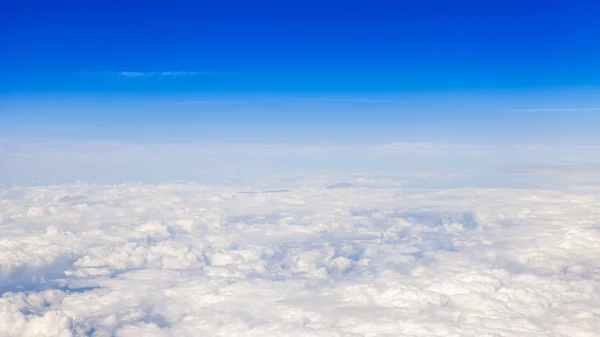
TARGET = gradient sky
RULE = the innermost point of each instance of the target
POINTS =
(371, 72)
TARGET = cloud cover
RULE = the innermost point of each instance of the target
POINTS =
(191, 260)
(418, 163)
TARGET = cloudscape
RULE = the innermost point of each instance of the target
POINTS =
(300, 169)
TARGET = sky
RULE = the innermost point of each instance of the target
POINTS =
(251, 168)
(275, 71)
(331, 74)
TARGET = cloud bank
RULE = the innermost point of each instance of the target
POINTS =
(192, 260)
(421, 164)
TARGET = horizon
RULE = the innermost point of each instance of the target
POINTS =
(260, 168)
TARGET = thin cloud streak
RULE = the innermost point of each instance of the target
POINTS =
(553, 169)
(357, 100)
(166, 73)
(556, 110)
(429, 148)
(199, 102)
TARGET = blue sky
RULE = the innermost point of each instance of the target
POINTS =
(384, 71)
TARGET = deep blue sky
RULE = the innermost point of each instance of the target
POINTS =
(380, 70)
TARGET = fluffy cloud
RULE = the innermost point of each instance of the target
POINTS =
(192, 260)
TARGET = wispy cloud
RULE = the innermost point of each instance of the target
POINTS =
(96, 147)
(198, 102)
(429, 148)
(573, 109)
(564, 170)
(166, 73)
(357, 100)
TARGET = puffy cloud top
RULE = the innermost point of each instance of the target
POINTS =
(191, 260)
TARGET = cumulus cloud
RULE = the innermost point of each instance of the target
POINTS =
(185, 259)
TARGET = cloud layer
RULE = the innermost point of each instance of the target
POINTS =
(285, 165)
(191, 260)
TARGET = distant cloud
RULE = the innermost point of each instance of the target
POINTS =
(165, 73)
(97, 147)
(357, 100)
(199, 102)
(340, 186)
(557, 110)
(322, 99)
(430, 148)
(565, 170)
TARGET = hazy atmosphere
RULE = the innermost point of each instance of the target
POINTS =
(236, 168)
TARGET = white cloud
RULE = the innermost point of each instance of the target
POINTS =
(350, 100)
(569, 174)
(433, 148)
(164, 73)
(554, 169)
(272, 166)
(184, 259)
(569, 109)
(198, 102)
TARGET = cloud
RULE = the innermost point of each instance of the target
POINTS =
(573, 109)
(431, 148)
(57, 161)
(350, 100)
(198, 102)
(98, 147)
(566, 170)
(420, 164)
(165, 73)
(189, 260)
